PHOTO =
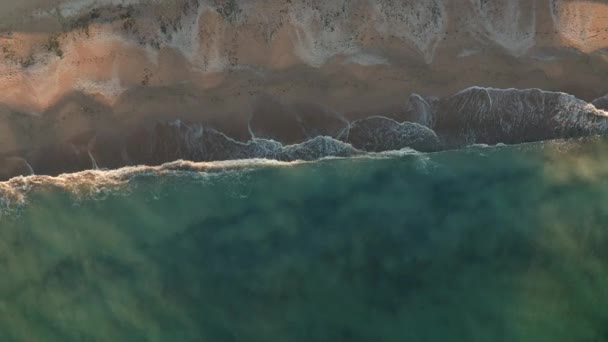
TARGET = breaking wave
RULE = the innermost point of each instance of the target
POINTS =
(95, 183)
(473, 117)
(99, 183)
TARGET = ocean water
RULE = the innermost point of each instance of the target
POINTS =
(504, 243)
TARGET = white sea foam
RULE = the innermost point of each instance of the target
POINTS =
(392, 154)
(96, 182)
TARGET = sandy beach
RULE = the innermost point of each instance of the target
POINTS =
(83, 80)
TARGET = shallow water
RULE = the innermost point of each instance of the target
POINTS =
(484, 244)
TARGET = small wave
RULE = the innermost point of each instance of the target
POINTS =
(395, 153)
(98, 183)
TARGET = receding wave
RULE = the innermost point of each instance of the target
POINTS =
(472, 116)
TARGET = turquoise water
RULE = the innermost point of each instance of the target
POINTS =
(483, 244)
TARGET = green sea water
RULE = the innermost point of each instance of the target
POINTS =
(504, 243)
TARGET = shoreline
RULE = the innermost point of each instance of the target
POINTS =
(81, 81)
(288, 132)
